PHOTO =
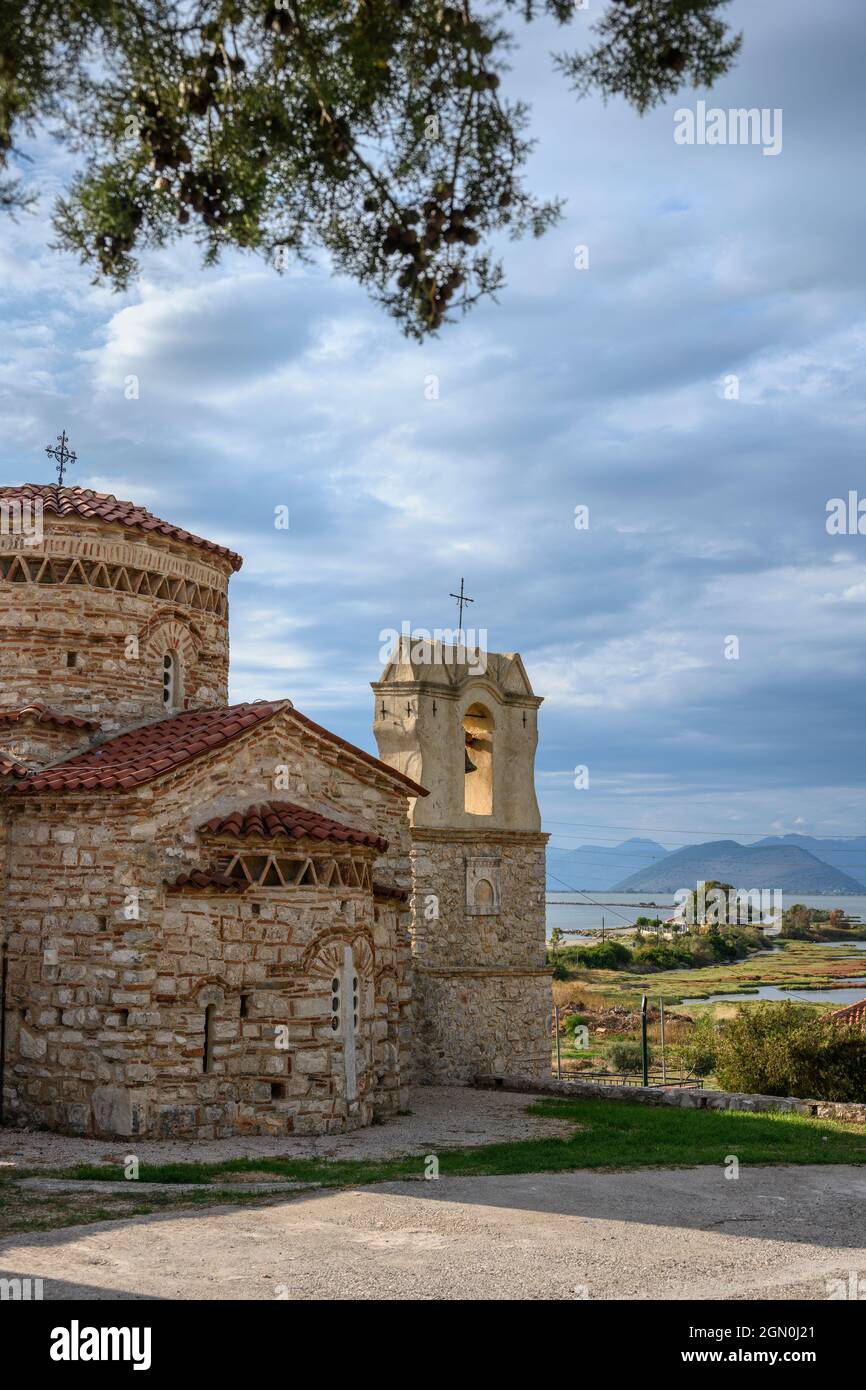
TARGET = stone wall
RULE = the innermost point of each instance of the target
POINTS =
(87, 615)
(466, 1020)
(685, 1099)
(112, 974)
(447, 930)
(482, 986)
(36, 742)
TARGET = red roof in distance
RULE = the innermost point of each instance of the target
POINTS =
(854, 1015)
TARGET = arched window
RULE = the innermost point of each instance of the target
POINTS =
(484, 896)
(478, 761)
(171, 680)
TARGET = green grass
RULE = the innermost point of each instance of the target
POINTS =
(607, 1134)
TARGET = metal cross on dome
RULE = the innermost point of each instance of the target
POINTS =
(63, 455)
(462, 600)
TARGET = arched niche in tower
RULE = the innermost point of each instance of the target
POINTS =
(478, 732)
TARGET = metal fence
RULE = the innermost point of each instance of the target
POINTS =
(607, 1078)
(661, 1078)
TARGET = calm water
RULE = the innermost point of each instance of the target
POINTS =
(620, 910)
(808, 996)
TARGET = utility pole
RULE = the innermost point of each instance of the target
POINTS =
(643, 1041)
(662, 1025)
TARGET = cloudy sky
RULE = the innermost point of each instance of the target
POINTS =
(602, 388)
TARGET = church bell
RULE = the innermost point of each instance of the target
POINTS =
(468, 764)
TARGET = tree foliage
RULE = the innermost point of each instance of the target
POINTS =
(787, 1050)
(375, 131)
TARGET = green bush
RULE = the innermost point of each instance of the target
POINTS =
(574, 1021)
(626, 1056)
(607, 955)
(787, 1050)
(664, 956)
(698, 1054)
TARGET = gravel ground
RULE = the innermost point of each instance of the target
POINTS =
(775, 1233)
(441, 1117)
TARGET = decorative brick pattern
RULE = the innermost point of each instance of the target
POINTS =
(82, 502)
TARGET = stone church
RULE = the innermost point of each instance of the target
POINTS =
(221, 919)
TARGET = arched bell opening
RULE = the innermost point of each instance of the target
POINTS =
(478, 761)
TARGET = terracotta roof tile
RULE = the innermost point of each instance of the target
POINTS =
(285, 820)
(208, 879)
(10, 767)
(131, 759)
(854, 1015)
(101, 506)
(137, 757)
(389, 890)
(37, 713)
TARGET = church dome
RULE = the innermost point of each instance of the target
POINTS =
(106, 611)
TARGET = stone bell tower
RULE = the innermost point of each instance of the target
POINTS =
(463, 723)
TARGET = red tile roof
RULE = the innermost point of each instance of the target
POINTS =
(41, 714)
(854, 1015)
(208, 879)
(389, 890)
(137, 757)
(10, 766)
(131, 759)
(284, 819)
(101, 506)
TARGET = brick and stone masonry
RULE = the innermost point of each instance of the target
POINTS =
(463, 723)
(216, 917)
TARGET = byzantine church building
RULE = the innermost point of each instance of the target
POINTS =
(222, 919)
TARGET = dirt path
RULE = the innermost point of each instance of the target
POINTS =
(439, 1117)
(689, 1233)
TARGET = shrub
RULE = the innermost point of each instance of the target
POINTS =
(573, 1022)
(607, 955)
(663, 956)
(786, 1050)
(698, 1052)
(626, 1056)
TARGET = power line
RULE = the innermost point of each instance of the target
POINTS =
(605, 906)
(728, 833)
(591, 842)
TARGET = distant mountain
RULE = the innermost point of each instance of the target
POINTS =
(848, 855)
(599, 866)
(786, 867)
